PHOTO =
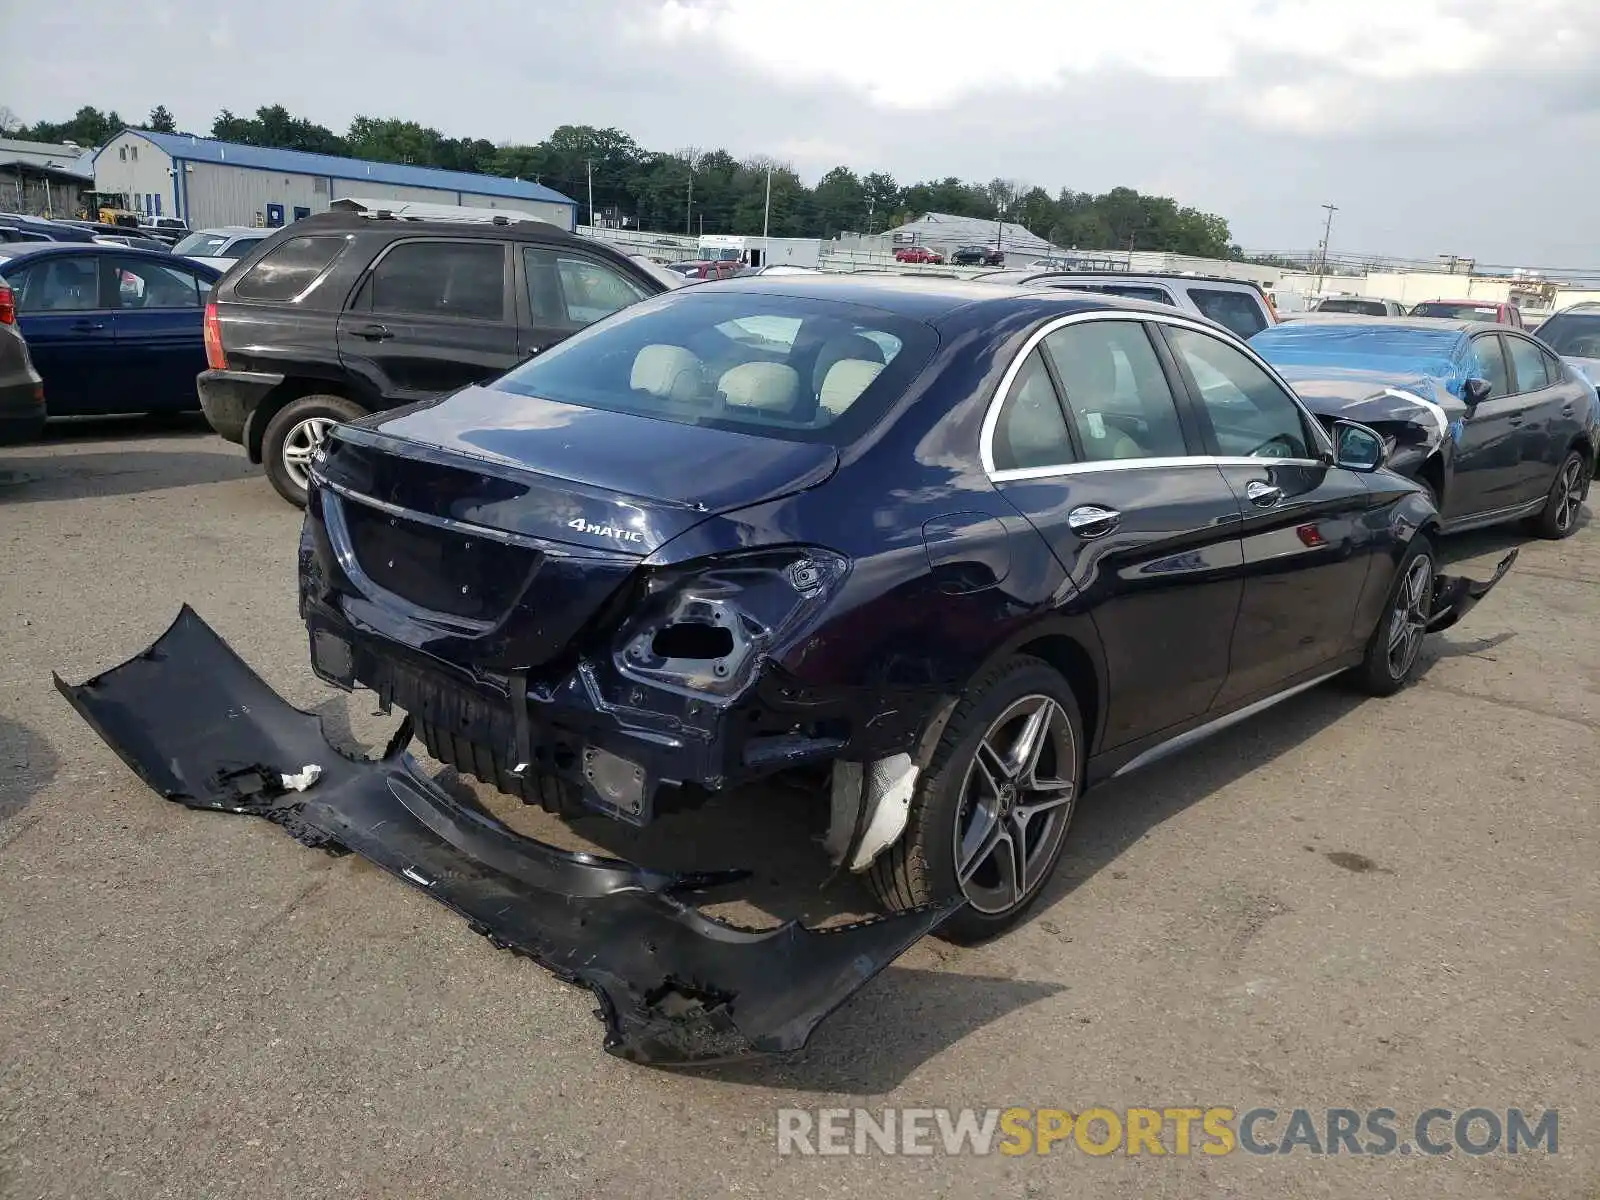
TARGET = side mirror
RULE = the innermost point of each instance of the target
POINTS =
(1356, 448)
(1476, 391)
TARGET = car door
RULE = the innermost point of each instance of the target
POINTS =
(68, 329)
(1306, 532)
(431, 316)
(1089, 445)
(1488, 456)
(562, 291)
(156, 322)
(1549, 420)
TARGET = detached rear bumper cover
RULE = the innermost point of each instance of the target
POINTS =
(201, 728)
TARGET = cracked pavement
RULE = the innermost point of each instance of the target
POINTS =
(1339, 903)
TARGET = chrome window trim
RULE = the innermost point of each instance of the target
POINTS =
(1015, 474)
(991, 418)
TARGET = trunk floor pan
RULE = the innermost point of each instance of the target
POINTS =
(675, 986)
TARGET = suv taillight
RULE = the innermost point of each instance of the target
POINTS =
(8, 306)
(215, 358)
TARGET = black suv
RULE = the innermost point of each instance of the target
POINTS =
(340, 315)
(978, 256)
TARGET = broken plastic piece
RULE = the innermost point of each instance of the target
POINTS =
(303, 778)
(1454, 596)
(675, 986)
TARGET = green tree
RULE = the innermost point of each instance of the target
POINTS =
(161, 120)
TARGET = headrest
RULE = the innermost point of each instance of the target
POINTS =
(670, 372)
(837, 349)
(768, 386)
(845, 381)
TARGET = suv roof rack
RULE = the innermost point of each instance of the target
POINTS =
(1154, 275)
(346, 218)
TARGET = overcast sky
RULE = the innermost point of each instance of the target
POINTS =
(1466, 127)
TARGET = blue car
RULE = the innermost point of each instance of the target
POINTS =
(1488, 418)
(110, 329)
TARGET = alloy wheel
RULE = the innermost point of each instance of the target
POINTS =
(300, 443)
(1569, 492)
(1016, 804)
(1408, 622)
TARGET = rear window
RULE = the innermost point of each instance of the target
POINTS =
(288, 268)
(1577, 335)
(1239, 312)
(786, 367)
(1457, 312)
(1362, 308)
(201, 245)
(239, 247)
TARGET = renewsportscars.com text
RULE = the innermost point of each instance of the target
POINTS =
(1180, 1131)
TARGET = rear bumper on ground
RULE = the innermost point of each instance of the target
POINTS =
(674, 986)
(229, 398)
(22, 411)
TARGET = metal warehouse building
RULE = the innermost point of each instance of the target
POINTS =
(210, 183)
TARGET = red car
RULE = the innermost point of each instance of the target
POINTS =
(1470, 310)
(708, 268)
(917, 254)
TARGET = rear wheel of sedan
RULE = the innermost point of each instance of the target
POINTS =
(1395, 648)
(1559, 517)
(990, 814)
(292, 437)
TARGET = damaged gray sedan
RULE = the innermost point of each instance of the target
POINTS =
(958, 551)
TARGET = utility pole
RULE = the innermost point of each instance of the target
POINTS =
(688, 212)
(766, 215)
(1327, 232)
(591, 193)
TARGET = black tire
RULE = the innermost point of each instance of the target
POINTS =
(921, 868)
(1559, 517)
(289, 420)
(1387, 667)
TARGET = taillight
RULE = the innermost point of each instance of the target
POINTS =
(8, 306)
(215, 358)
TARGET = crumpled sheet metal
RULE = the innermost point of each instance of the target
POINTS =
(675, 987)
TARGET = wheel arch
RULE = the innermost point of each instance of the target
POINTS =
(286, 393)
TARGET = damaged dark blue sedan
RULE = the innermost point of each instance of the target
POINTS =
(959, 550)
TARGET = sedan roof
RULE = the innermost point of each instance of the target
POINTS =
(928, 298)
(18, 252)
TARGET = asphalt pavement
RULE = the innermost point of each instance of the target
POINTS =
(1343, 903)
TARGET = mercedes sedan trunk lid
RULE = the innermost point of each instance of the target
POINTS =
(585, 476)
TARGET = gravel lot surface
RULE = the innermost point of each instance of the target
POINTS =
(1342, 903)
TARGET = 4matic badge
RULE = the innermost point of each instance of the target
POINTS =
(610, 531)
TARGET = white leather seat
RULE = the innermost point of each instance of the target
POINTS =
(844, 383)
(670, 372)
(767, 386)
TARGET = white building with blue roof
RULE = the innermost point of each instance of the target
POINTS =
(208, 183)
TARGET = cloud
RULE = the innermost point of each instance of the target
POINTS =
(1295, 64)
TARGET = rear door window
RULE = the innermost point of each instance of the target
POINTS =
(1527, 364)
(288, 269)
(57, 285)
(570, 291)
(1116, 391)
(1238, 312)
(1031, 430)
(141, 284)
(440, 279)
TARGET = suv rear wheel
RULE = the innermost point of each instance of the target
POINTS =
(293, 435)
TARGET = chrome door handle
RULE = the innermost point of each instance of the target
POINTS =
(1092, 521)
(1262, 495)
(374, 333)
